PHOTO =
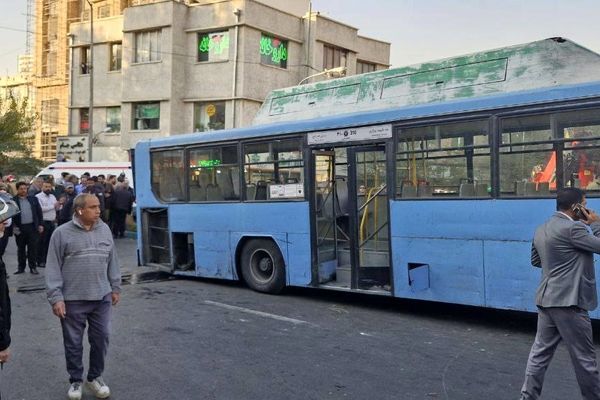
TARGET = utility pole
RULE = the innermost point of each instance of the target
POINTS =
(91, 71)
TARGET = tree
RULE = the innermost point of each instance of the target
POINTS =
(15, 123)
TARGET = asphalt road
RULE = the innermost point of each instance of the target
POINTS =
(202, 339)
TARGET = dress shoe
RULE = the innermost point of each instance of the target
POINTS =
(34, 271)
(21, 271)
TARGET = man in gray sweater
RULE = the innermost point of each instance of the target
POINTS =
(83, 280)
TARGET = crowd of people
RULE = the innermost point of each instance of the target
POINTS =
(46, 204)
(68, 228)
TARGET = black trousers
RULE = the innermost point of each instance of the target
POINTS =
(118, 221)
(45, 242)
(3, 244)
(27, 244)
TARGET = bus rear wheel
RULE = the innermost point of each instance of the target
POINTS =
(262, 266)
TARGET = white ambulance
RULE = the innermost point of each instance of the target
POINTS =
(93, 168)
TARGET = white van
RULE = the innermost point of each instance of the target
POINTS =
(94, 168)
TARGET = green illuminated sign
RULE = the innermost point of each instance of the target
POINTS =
(274, 48)
(208, 163)
(215, 43)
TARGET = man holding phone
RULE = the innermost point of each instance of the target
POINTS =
(564, 248)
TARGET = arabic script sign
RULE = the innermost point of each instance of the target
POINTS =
(351, 134)
(72, 148)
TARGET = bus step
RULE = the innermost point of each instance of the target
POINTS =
(343, 274)
(344, 257)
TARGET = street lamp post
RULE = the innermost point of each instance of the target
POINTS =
(339, 71)
(91, 72)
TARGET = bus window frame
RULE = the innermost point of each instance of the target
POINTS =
(424, 122)
(185, 183)
(212, 145)
(301, 138)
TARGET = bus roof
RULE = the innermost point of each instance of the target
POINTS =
(541, 64)
(392, 114)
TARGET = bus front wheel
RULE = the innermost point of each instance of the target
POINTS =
(263, 268)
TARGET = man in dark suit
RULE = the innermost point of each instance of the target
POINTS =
(28, 225)
(564, 248)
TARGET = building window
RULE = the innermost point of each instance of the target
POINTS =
(273, 51)
(214, 174)
(274, 170)
(147, 46)
(213, 46)
(363, 67)
(209, 116)
(48, 145)
(168, 175)
(115, 56)
(146, 116)
(334, 57)
(85, 55)
(450, 160)
(113, 119)
(104, 11)
(84, 121)
(49, 114)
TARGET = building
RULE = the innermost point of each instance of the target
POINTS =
(168, 67)
(51, 66)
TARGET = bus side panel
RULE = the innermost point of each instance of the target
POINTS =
(455, 269)
(510, 279)
(219, 227)
(299, 260)
(213, 256)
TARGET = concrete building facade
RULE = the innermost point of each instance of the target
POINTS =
(170, 67)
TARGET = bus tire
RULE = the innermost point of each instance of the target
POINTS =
(263, 268)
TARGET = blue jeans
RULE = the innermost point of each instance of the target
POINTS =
(97, 315)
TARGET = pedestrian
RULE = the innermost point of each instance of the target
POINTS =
(92, 187)
(36, 186)
(66, 212)
(121, 203)
(49, 204)
(82, 182)
(27, 228)
(6, 226)
(82, 281)
(4, 310)
(564, 248)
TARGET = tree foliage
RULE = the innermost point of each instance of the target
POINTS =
(16, 122)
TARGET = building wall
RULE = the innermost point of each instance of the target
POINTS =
(178, 80)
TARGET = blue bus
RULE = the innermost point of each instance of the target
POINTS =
(424, 182)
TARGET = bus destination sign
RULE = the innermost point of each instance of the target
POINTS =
(351, 134)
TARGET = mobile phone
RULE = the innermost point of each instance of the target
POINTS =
(578, 210)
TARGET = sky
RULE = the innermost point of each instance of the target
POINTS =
(418, 30)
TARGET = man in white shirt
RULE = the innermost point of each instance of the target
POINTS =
(49, 205)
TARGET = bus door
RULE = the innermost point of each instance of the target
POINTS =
(324, 216)
(369, 218)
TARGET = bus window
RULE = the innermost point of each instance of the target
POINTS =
(213, 174)
(581, 154)
(449, 160)
(168, 175)
(274, 170)
(527, 157)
